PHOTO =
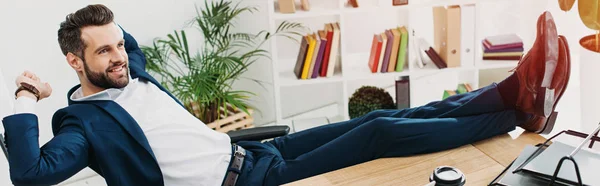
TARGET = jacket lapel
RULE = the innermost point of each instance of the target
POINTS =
(120, 114)
(128, 123)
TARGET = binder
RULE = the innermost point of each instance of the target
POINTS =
(439, 30)
(453, 38)
(467, 44)
(447, 33)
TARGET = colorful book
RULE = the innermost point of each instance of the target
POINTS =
(388, 51)
(301, 57)
(315, 55)
(436, 59)
(503, 40)
(333, 56)
(403, 49)
(448, 93)
(383, 48)
(309, 54)
(325, 63)
(461, 88)
(499, 47)
(518, 49)
(395, 47)
(503, 58)
(502, 54)
(323, 38)
(375, 50)
(468, 87)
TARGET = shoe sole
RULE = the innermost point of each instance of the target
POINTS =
(549, 125)
(551, 120)
(545, 106)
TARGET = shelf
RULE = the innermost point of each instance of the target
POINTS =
(288, 79)
(495, 64)
(430, 68)
(358, 69)
(372, 9)
(443, 2)
(316, 12)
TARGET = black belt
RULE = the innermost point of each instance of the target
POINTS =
(235, 167)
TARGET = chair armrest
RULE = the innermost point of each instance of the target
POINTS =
(258, 133)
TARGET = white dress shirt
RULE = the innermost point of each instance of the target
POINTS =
(188, 152)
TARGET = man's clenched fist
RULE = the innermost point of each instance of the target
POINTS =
(32, 79)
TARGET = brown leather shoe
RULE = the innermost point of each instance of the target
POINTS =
(541, 124)
(536, 71)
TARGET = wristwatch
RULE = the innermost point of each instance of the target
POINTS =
(30, 88)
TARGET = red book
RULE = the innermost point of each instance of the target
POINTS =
(375, 52)
(325, 63)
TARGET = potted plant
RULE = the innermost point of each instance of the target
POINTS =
(202, 80)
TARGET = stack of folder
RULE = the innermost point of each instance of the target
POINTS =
(502, 47)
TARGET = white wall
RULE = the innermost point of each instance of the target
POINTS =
(28, 38)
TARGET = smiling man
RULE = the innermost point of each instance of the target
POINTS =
(124, 125)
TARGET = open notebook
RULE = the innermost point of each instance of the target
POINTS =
(6, 108)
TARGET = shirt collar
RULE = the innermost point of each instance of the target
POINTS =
(107, 94)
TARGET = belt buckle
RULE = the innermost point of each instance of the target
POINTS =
(239, 152)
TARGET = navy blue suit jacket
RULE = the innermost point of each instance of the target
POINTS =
(98, 134)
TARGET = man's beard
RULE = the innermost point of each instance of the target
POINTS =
(102, 80)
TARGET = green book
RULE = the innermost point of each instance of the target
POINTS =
(461, 89)
(402, 51)
(448, 93)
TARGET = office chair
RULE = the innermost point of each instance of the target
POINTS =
(258, 133)
(3, 146)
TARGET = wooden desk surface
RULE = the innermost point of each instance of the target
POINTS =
(481, 162)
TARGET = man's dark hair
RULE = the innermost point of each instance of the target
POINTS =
(69, 33)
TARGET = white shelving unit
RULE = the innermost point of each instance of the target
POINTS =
(357, 26)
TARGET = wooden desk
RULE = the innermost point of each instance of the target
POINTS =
(481, 162)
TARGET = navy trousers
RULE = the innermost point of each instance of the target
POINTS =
(458, 120)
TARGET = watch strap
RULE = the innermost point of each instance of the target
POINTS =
(30, 88)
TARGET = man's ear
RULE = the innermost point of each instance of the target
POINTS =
(75, 62)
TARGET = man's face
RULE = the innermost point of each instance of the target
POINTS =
(105, 59)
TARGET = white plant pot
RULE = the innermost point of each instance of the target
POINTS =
(590, 87)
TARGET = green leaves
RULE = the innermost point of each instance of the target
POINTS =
(203, 79)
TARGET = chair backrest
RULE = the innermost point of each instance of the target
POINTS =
(6, 108)
(3, 146)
